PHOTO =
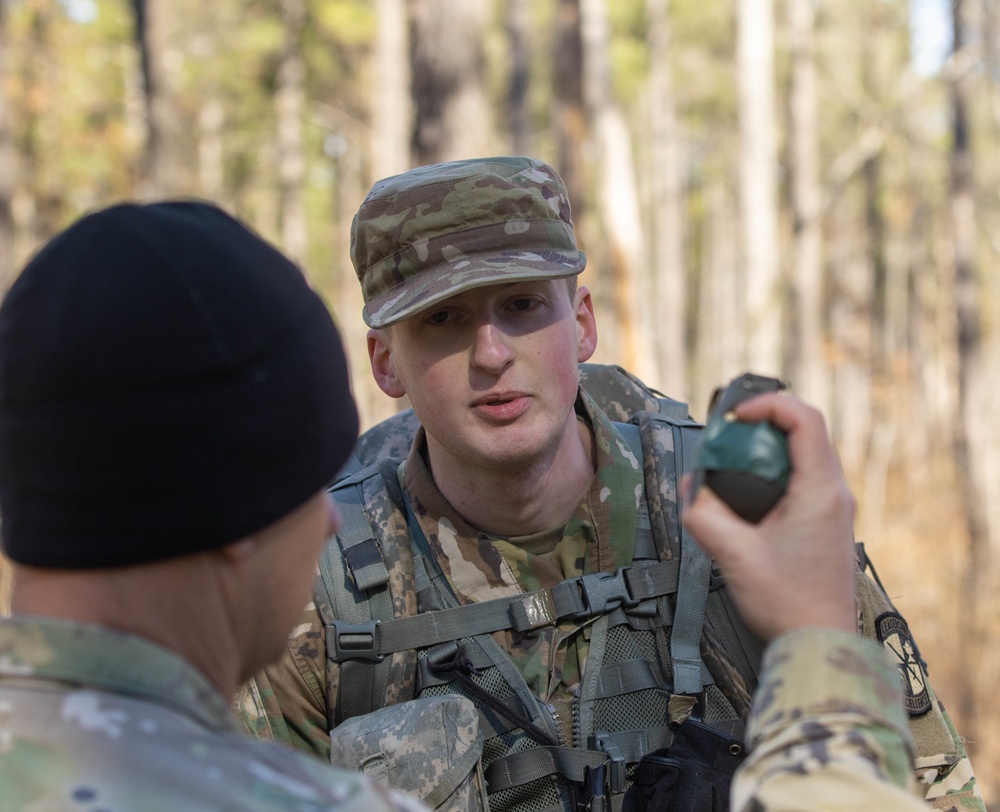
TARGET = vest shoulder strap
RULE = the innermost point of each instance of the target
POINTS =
(354, 583)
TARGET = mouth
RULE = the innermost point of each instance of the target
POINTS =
(501, 406)
(497, 398)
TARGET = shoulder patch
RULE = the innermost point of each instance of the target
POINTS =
(895, 635)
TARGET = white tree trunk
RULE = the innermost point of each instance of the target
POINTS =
(392, 106)
(758, 183)
(290, 103)
(669, 289)
(618, 199)
(809, 374)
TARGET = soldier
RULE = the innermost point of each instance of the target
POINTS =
(173, 401)
(524, 552)
(828, 729)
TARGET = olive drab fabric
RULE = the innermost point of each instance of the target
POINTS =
(94, 719)
(589, 684)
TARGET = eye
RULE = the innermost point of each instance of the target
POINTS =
(439, 317)
(523, 304)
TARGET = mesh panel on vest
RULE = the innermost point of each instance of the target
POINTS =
(638, 709)
(543, 793)
(532, 797)
(717, 707)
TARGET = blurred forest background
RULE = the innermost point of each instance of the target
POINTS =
(808, 188)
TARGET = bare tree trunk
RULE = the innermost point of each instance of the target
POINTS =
(211, 153)
(968, 344)
(810, 372)
(518, 24)
(669, 289)
(720, 297)
(163, 168)
(34, 206)
(570, 119)
(448, 69)
(850, 325)
(8, 165)
(618, 199)
(290, 102)
(758, 183)
(392, 108)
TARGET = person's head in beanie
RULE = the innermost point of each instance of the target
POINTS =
(174, 400)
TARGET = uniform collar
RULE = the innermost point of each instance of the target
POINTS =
(92, 657)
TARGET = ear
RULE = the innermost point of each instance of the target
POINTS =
(587, 325)
(239, 551)
(383, 368)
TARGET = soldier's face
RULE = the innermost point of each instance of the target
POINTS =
(492, 372)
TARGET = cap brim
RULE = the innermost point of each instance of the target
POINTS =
(433, 286)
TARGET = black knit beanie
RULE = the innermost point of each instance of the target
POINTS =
(169, 383)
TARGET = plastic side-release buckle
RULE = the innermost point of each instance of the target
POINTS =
(603, 591)
(603, 742)
(354, 641)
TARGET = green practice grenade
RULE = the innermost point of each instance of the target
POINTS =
(745, 464)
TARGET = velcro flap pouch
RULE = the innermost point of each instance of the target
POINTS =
(430, 748)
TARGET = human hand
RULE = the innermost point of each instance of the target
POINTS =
(795, 568)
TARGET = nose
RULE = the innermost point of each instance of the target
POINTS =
(491, 349)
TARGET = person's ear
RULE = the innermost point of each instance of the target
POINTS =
(383, 367)
(240, 551)
(587, 325)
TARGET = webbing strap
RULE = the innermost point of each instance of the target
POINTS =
(744, 648)
(692, 585)
(645, 547)
(362, 685)
(577, 598)
(357, 541)
(530, 765)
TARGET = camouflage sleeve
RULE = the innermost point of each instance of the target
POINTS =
(827, 730)
(286, 701)
(942, 767)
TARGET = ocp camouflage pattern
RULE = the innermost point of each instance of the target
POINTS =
(434, 231)
(827, 730)
(94, 720)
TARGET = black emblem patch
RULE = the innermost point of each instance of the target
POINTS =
(894, 634)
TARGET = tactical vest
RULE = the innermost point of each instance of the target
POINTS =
(665, 642)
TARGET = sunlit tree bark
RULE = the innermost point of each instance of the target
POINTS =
(968, 344)
(448, 61)
(758, 183)
(809, 369)
(391, 107)
(289, 100)
(163, 170)
(669, 290)
(618, 199)
(518, 22)
(570, 114)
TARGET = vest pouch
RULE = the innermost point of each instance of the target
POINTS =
(430, 748)
(693, 774)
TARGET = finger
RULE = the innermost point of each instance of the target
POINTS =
(809, 443)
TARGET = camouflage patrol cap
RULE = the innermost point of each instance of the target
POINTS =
(427, 234)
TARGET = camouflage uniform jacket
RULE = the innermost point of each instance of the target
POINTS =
(828, 730)
(288, 702)
(93, 719)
